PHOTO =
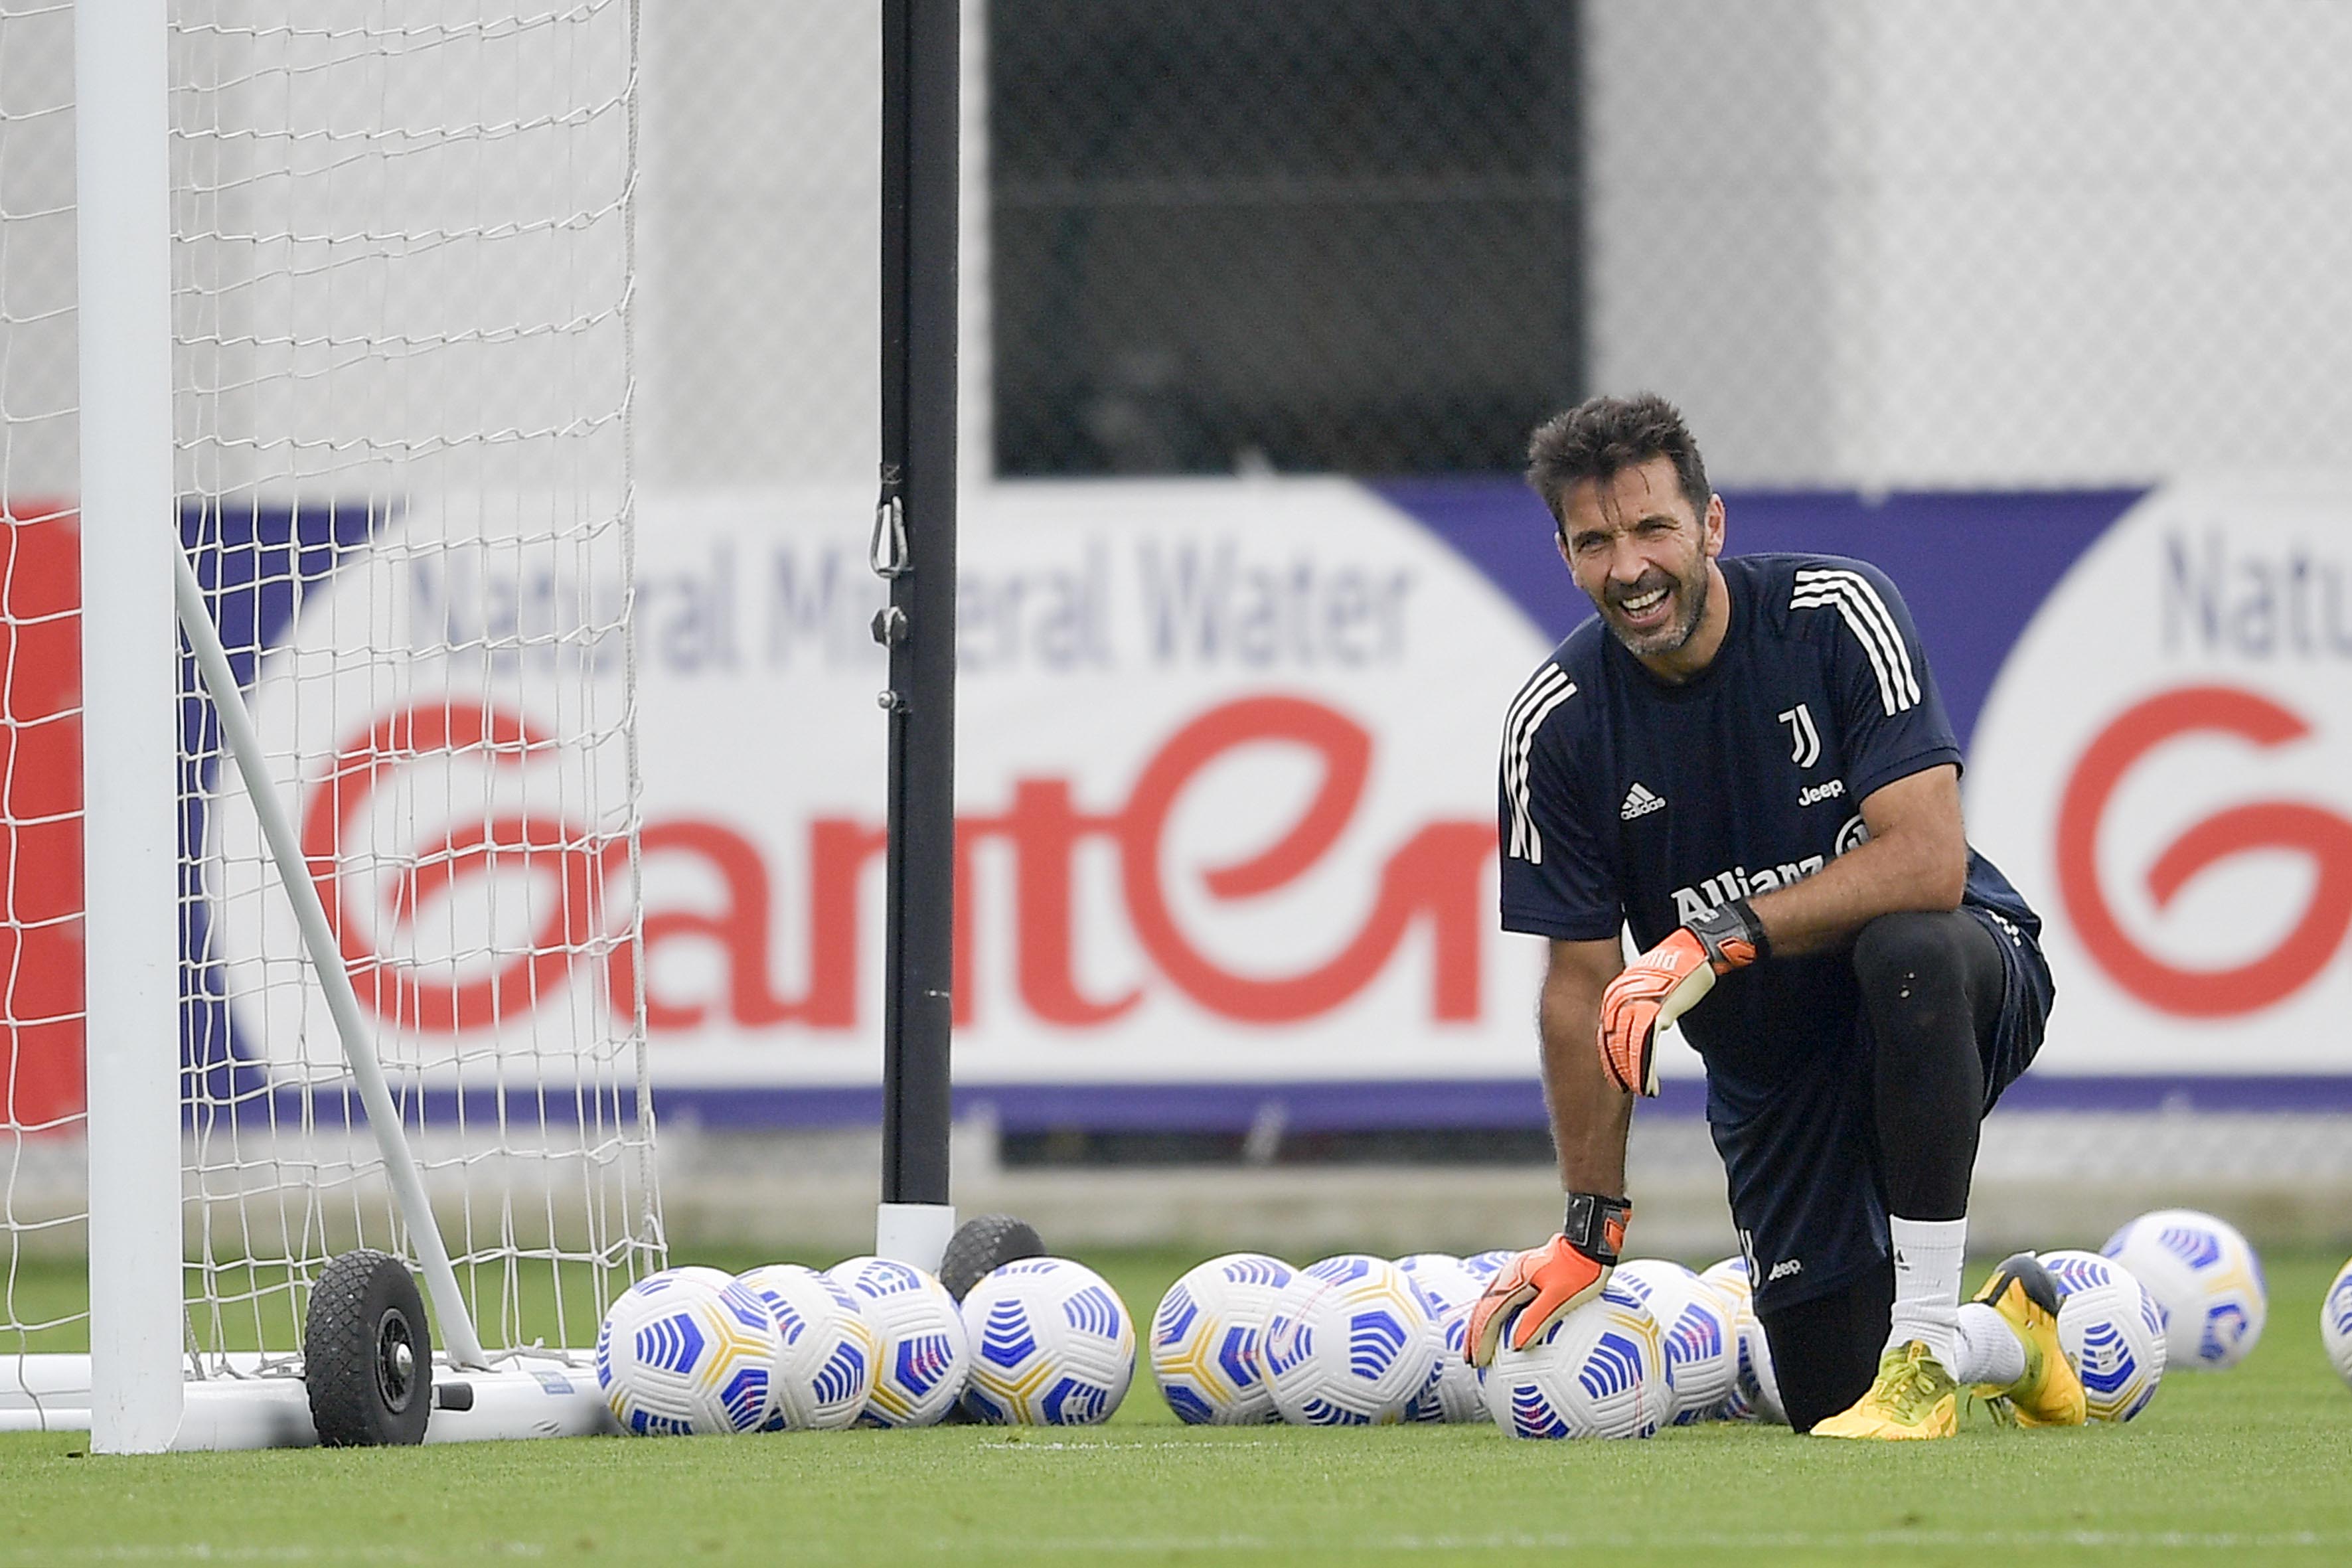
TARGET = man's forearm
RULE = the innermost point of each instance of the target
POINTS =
(1825, 910)
(1590, 1115)
(1916, 859)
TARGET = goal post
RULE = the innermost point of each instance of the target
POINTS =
(353, 870)
(129, 660)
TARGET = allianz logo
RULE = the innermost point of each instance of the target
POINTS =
(1813, 794)
(1739, 882)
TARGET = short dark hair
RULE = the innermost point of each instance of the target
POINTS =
(1600, 436)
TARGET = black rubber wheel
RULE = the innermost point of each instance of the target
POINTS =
(979, 1245)
(367, 1354)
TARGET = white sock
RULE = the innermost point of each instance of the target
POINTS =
(1928, 1285)
(1990, 1349)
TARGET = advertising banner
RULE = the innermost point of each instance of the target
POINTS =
(1226, 803)
(2162, 765)
(1225, 817)
(1226, 778)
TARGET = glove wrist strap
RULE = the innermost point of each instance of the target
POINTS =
(1727, 929)
(1595, 1225)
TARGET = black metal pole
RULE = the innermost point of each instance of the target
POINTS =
(915, 548)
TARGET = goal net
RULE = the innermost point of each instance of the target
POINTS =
(401, 271)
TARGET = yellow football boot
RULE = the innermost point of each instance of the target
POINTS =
(2050, 1393)
(1913, 1397)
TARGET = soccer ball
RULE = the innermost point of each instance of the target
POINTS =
(1444, 1280)
(2205, 1278)
(1756, 1387)
(677, 1355)
(1701, 1340)
(824, 1364)
(1485, 1265)
(925, 1353)
(1601, 1372)
(2336, 1322)
(713, 1278)
(1051, 1345)
(1205, 1337)
(1349, 1344)
(1447, 1289)
(1460, 1391)
(2111, 1330)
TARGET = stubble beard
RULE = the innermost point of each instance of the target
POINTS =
(1691, 595)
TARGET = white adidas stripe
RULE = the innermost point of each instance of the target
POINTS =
(1519, 737)
(1534, 856)
(1864, 635)
(1858, 590)
(1866, 615)
(1547, 690)
(1898, 652)
(1539, 686)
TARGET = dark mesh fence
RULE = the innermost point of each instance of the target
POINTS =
(1333, 234)
(1879, 243)
(1895, 244)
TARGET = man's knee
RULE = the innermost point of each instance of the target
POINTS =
(1918, 984)
(1911, 950)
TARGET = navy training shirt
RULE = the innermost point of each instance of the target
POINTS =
(1631, 801)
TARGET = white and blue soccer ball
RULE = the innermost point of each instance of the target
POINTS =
(825, 1365)
(2335, 1323)
(1485, 1265)
(1444, 1280)
(1701, 1338)
(1448, 1288)
(924, 1353)
(1349, 1344)
(1051, 1345)
(678, 1355)
(2111, 1330)
(1600, 1372)
(1756, 1387)
(2205, 1278)
(1460, 1391)
(1205, 1338)
(714, 1278)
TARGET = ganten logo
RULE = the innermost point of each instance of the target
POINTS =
(2317, 834)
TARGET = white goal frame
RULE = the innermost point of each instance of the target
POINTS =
(133, 1390)
(130, 656)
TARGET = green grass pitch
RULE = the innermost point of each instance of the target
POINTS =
(2253, 1465)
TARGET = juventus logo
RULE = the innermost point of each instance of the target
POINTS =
(1805, 742)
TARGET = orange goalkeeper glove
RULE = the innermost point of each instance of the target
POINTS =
(1544, 1284)
(1667, 982)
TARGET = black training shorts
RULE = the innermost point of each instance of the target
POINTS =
(1800, 1153)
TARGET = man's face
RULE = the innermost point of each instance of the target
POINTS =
(1641, 554)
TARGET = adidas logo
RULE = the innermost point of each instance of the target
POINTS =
(1640, 802)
